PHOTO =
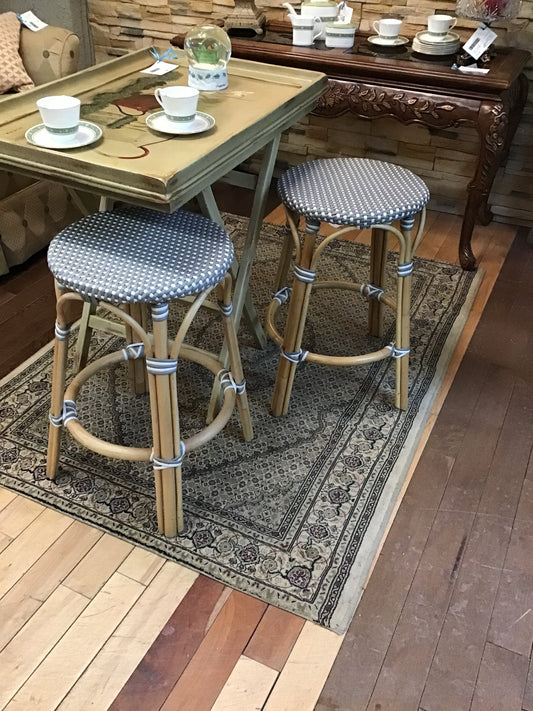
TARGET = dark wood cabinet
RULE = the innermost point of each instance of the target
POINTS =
(370, 84)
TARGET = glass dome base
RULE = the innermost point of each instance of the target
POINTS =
(212, 79)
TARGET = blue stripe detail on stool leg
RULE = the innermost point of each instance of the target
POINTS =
(61, 332)
(133, 351)
(159, 463)
(159, 312)
(405, 269)
(161, 366)
(305, 275)
(296, 357)
(225, 309)
(283, 295)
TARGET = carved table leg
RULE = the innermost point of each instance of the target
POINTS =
(492, 126)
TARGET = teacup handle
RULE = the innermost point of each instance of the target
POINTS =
(375, 25)
(157, 94)
(318, 27)
(453, 23)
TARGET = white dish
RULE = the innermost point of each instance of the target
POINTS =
(396, 42)
(159, 122)
(428, 38)
(86, 134)
(435, 50)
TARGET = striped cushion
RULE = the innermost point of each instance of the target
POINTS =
(139, 255)
(352, 191)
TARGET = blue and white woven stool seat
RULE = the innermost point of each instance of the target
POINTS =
(122, 261)
(349, 193)
(352, 191)
(135, 255)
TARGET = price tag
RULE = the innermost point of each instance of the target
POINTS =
(473, 70)
(159, 68)
(345, 13)
(480, 41)
(31, 21)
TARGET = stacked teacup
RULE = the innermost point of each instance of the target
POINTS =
(438, 39)
(440, 25)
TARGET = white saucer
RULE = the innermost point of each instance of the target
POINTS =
(396, 42)
(86, 134)
(159, 122)
(429, 38)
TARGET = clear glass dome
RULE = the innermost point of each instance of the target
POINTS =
(208, 50)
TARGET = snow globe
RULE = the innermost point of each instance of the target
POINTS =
(208, 50)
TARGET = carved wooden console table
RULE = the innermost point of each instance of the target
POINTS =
(412, 89)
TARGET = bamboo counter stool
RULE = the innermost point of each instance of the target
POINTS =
(347, 193)
(136, 256)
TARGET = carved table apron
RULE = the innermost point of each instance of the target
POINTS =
(417, 92)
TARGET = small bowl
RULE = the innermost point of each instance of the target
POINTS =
(340, 34)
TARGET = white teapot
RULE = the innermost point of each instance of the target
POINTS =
(324, 10)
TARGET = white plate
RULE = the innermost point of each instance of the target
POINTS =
(427, 38)
(159, 122)
(396, 42)
(86, 134)
(435, 50)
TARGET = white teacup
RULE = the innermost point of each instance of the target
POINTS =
(305, 30)
(440, 24)
(387, 28)
(60, 114)
(178, 102)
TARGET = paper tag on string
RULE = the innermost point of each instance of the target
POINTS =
(480, 41)
(159, 68)
(345, 14)
(31, 21)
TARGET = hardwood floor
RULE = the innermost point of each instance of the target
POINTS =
(88, 621)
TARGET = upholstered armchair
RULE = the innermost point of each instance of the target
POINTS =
(32, 212)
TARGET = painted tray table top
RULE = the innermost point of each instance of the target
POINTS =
(140, 165)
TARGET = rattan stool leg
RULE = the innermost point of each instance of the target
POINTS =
(294, 329)
(59, 368)
(378, 263)
(286, 252)
(56, 408)
(84, 335)
(167, 447)
(235, 364)
(403, 314)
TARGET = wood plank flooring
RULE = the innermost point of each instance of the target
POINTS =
(91, 622)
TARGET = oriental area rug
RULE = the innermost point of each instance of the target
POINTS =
(295, 516)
